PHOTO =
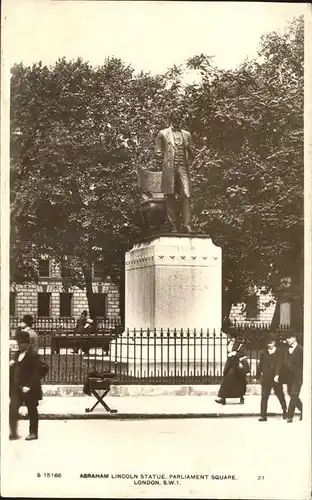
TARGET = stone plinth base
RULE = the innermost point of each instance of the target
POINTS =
(173, 308)
(174, 281)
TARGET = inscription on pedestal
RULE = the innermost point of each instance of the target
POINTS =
(174, 283)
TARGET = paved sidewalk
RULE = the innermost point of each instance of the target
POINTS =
(69, 407)
(137, 390)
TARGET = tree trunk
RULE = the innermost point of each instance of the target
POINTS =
(228, 299)
(87, 272)
(276, 316)
(226, 306)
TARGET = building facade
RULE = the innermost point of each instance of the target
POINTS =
(263, 308)
(259, 308)
(48, 298)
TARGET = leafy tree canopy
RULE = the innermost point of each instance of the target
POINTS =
(78, 134)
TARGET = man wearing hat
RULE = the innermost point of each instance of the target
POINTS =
(81, 321)
(27, 325)
(79, 328)
(25, 385)
(293, 373)
(268, 371)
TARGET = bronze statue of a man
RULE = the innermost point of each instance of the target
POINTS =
(174, 149)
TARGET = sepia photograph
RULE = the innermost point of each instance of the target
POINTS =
(156, 249)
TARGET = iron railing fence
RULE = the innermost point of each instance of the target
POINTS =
(55, 325)
(251, 325)
(145, 356)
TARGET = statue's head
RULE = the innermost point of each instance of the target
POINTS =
(175, 117)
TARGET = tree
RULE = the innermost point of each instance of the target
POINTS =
(248, 176)
(79, 134)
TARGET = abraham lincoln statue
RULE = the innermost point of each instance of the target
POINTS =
(174, 153)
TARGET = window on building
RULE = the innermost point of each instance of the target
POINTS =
(98, 270)
(100, 304)
(44, 268)
(285, 313)
(66, 304)
(252, 307)
(12, 303)
(44, 302)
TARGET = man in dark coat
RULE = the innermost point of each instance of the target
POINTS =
(79, 328)
(293, 374)
(27, 325)
(268, 372)
(81, 321)
(25, 385)
(236, 368)
(28, 320)
(174, 150)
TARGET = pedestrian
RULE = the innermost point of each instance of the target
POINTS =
(27, 324)
(268, 373)
(79, 328)
(236, 369)
(25, 384)
(81, 321)
(293, 373)
(88, 329)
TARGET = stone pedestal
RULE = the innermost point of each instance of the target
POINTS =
(173, 307)
(174, 282)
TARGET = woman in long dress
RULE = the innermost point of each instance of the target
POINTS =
(235, 371)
